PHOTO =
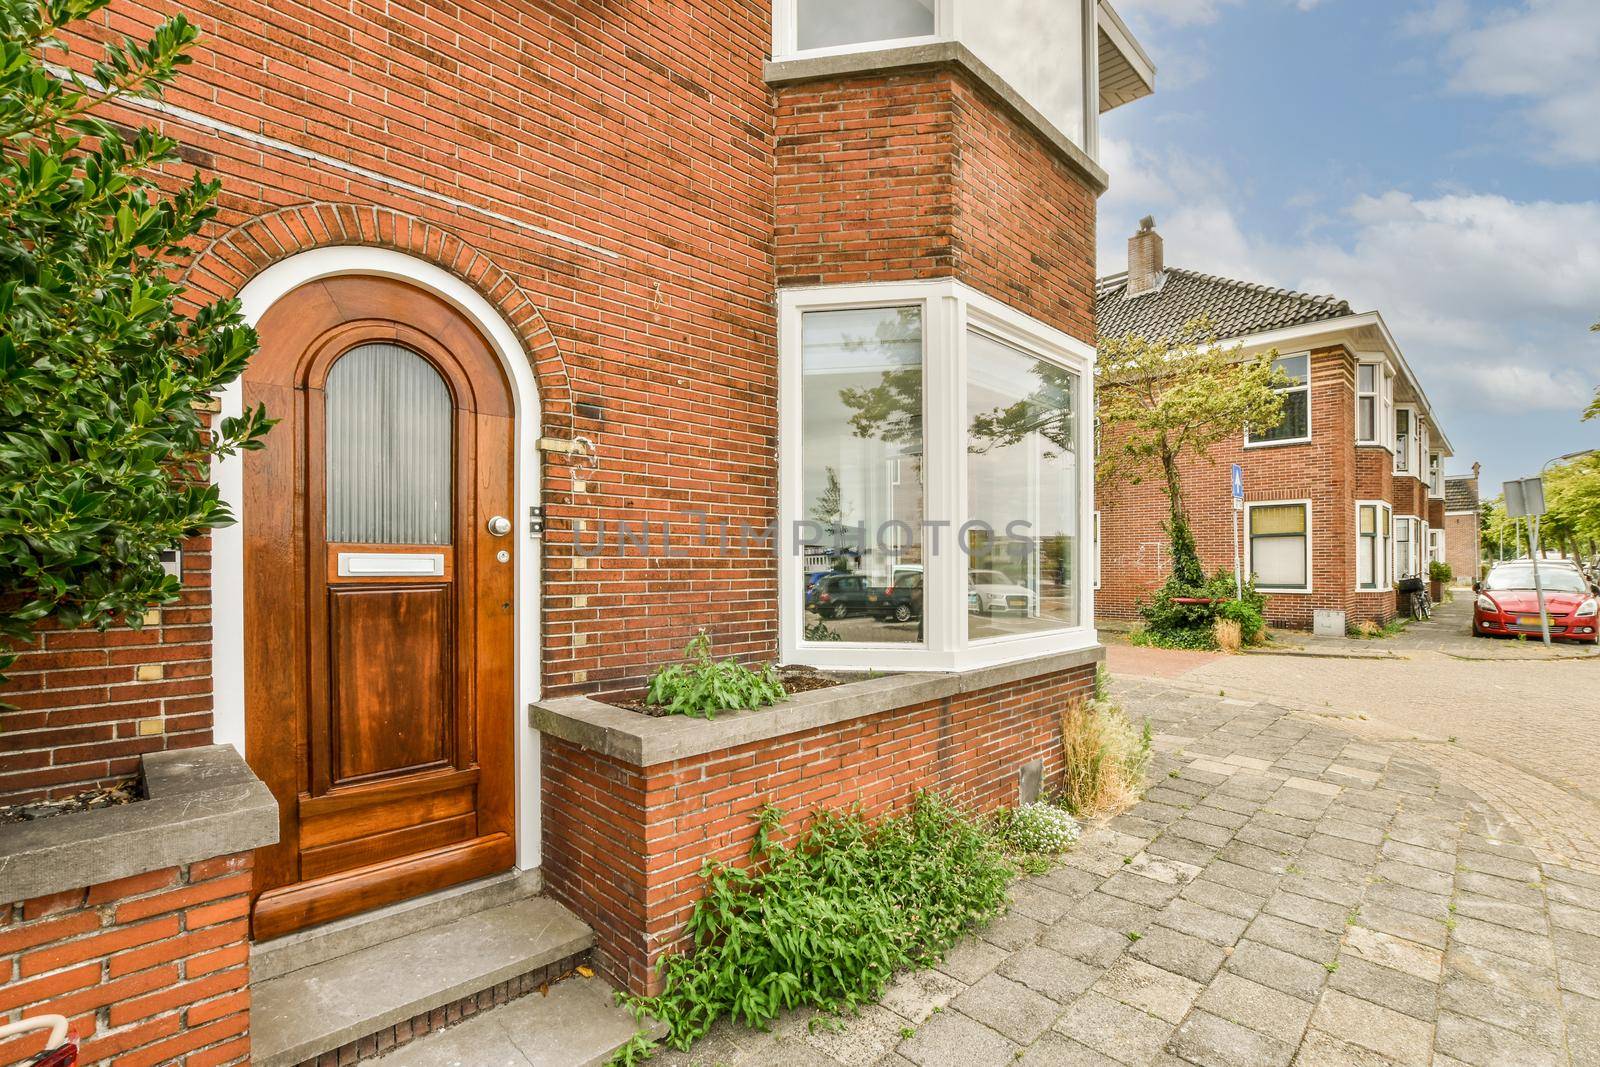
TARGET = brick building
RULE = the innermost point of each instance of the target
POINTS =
(573, 314)
(1463, 520)
(1340, 500)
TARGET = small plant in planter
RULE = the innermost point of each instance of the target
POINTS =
(701, 687)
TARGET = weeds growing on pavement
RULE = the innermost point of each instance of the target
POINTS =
(826, 921)
(1105, 759)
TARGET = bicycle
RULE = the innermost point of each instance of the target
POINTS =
(60, 1045)
(1415, 589)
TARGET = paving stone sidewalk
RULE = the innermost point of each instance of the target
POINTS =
(1286, 892)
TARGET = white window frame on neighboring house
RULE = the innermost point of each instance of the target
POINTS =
(1406, 449)
(1436, 552)
(1382, 542)
(1413, 528)
(1304, 387)
(951, 313)
(1249, 545)
(1374, 396)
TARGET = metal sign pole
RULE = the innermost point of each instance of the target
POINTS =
(1538, 585)
(1238, 510)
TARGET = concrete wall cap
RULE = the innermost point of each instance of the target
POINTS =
(645, 741)
(942, 53)
(200, 803)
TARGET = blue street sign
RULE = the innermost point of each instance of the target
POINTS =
(1238, 482)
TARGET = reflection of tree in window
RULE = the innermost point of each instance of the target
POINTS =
(1046, 411)
(890, 411)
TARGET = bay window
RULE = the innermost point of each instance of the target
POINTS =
(1278, 546)
(1295, 426)
(935, 496)
(1047, 52)
(1374, 523)
(836, 23)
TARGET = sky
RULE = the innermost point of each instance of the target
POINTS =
(1437, 161)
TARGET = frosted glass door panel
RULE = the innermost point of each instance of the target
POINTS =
(390, 448)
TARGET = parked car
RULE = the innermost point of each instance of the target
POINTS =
(901, 601)
(835, 596)
(1549, 563)
(999, 594)
(1507, 602)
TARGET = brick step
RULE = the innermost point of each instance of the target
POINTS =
(376, 996)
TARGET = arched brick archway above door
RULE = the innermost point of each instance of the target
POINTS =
(231, 259)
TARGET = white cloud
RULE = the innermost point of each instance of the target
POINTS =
(1543, 52)
(1518, 386)
(1191, 12)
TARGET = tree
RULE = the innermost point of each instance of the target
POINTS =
(1593, 410)
(1162, 402)
(104, 447)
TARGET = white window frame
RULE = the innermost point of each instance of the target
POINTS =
(786, 33)
(1382, 568)
(1436, 475)
(1403, 459)
(1304, 387)
(1249, 563)
(1378, 373)
(1414, 529)
(1097, 549)
(1386, 431)
(949, 310)
(1436, 552)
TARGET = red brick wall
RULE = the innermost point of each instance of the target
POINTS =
(1134, 556)
(925, 174)
(152, 969)
(88, 704)
(1461, 544)
(623, 846)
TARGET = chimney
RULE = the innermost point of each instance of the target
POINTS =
(1476, 468)
(1146, 266)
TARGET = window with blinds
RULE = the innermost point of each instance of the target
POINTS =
(389, 449)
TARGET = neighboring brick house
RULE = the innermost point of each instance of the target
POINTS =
(1463, 518)
(558, 302)
(1342, 498)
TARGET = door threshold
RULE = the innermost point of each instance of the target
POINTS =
(317, 944)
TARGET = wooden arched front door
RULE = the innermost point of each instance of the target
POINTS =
(379, 600)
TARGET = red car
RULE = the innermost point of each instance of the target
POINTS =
(1507, 603)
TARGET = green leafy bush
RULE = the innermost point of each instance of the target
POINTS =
(1169, 624)
(1040, 828)
(1440, 571)
(827, 921)
(1252, 627)
(103, 446)
(701, 686)
(821, 631)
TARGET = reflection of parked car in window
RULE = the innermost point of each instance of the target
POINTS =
(835, 596)
(901, 601)
(998, 593)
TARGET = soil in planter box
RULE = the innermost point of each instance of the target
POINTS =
(795, 679)
(107, 796)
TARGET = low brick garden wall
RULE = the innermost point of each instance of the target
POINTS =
(633, 806)
(133, 922)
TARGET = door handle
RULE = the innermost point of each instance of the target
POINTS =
(499, 525)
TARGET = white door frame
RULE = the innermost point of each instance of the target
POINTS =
(227, 543)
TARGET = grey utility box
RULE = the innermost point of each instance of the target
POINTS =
(1328, 623)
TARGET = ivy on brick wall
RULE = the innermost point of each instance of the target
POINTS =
(104, 381)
